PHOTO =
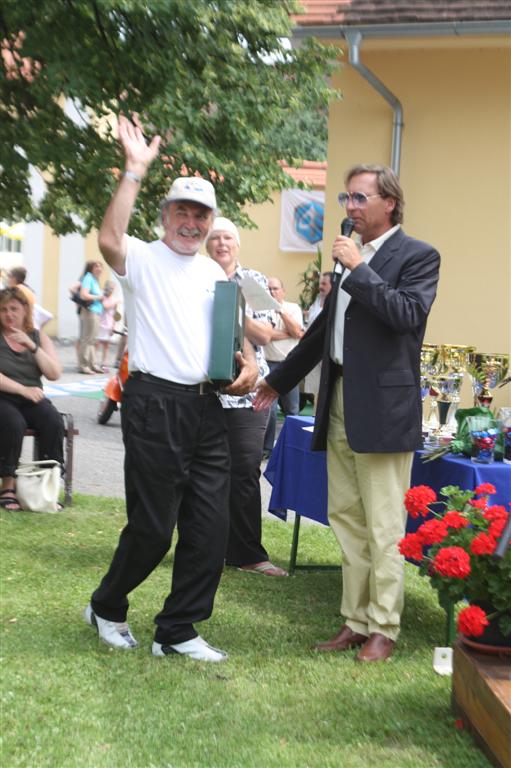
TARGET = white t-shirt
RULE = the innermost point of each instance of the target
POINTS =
(169, 305)
(276, 351)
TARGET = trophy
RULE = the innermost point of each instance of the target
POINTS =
(453, 364)
(446, 371)
(486, 371)
(429, 367)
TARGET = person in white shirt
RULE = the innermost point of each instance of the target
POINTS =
(177, 464)
(287, 332)
(311, 382)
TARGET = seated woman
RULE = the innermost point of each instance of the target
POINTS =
(25, 356)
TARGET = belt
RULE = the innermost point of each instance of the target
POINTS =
(337, 369)
(204, 388)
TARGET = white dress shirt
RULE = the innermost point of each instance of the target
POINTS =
(367, 252)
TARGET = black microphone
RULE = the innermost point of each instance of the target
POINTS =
(347, 226)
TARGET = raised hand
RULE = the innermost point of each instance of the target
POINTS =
(20, 337)
(139, 154)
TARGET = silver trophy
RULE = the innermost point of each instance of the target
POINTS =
(486, 371)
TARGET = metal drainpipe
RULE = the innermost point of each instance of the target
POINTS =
(354, 38)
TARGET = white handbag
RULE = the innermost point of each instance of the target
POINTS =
(38, 485)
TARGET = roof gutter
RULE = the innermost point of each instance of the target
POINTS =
(354, 39)
(355, 34)
(422, 29)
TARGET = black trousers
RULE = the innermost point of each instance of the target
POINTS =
(246, 434)
(18, 414)
(177, 471)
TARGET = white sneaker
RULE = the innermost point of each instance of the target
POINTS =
(114, 633)
(196, 648)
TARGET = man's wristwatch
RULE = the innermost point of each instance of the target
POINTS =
(133, 176)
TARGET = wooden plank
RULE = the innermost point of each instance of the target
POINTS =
(481, 687)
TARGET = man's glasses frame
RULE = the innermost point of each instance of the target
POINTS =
(357, 199)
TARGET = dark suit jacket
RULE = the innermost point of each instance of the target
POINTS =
(384, 328)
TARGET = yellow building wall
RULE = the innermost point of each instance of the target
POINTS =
(92, 252)
(51, 259)
(455, 172)
(52, 283)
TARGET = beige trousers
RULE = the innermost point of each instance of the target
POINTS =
(89, 331)
(368, 518)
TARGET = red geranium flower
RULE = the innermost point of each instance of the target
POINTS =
(485, 488)
(472, 621)
(417, 500)
(496, 529)
(453, 519)
(496, 512)
(479, 503)
(452, 561)
(432, 531)
(483, 544)
(411, 546)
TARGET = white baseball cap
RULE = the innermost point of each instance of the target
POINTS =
(194, 189)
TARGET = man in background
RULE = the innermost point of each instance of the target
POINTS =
(287, 325)
(16, 278)
(324, 288)
(311, 382)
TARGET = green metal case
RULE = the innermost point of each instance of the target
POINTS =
(228, 332)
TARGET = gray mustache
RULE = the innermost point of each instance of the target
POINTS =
(189, 231)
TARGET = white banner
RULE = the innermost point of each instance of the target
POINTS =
(301, 220)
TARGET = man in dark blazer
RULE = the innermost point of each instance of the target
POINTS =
(369, 412)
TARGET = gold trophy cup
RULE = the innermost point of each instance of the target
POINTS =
(453, 364)
(430, 368)
(445, 381)
(486, 370)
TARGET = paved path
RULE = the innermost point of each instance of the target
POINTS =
(99, 451)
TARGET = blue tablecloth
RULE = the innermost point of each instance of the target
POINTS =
(299, 478)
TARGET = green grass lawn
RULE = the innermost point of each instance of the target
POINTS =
(69, 701)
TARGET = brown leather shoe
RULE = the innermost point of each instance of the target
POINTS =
(377, 648)
(343, 641)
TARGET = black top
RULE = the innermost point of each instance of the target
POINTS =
(20, 366)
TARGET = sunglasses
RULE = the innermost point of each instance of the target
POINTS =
(357, 199)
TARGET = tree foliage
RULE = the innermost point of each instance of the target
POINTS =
(306, 133)
(213, 77)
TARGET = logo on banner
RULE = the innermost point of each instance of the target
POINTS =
(301, 225)
(309, 221)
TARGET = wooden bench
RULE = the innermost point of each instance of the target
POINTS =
(69, 435)
(481, 696)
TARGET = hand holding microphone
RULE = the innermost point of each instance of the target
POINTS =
(344, 251)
